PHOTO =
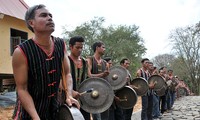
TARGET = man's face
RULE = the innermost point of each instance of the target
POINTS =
(150, 67)
(101, 50)
(42, 22)
(76, 49)
(126, 64)
(161, 73)
(146, 64)
(110, 63)
(164, 70)
(170, 73)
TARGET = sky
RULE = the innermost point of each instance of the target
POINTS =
(155, 18)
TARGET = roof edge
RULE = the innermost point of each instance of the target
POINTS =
(25, 5)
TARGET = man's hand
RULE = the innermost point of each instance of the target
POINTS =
(117, 99)
(36, 118)
(152, 85)
(70, 101)
(76, 94)
(105, 73)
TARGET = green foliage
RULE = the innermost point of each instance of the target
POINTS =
(121, 41)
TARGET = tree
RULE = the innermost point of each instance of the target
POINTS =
(163, 60)
(186, 43)
(89, 30)
(120, 41)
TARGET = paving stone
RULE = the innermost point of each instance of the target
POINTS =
(176, 112)
(186, 108)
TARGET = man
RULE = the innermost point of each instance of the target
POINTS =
(147, 100)
(125, 62)
(37, 68)
(156, 109)
(113, 106)
(97, 67)
(171, 93)
(78, 67)
(162, 101)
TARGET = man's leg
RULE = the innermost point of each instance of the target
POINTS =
(144, 107)
(150, 107)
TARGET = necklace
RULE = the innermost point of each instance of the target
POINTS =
(98, 61)
(77, 62)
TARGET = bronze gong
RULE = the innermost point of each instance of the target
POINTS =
(69, 113)
(101, 97)
(157, 80)
(127, 97)
(140, 85)
(117, 77)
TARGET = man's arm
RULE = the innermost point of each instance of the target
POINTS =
(69, 98)
(138, 74)
(20, 70)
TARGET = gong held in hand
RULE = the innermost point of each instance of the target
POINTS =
(117, 77)
(140, 85)
(99, 99)
(69, 113)
(127, 97)
(158, 82)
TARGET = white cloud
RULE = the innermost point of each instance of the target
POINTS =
(156, 18)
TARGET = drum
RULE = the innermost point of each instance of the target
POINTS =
(69, 113)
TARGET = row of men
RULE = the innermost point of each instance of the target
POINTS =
(39, 64)
(37, 67)
(157, 105)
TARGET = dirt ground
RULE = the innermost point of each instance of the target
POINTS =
(6, 113)
(138, 105)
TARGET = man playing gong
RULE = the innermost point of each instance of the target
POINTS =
(147, 100)
(78, 67)
(97, 67)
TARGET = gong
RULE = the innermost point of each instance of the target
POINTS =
(69, 113)
(140, 85)
(182, 91)
(157, 80)
(162, 91)
(99, 99)
(117, 77)
(127, 97)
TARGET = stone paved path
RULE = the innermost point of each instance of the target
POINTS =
(185, 108)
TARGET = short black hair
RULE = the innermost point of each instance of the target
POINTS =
(162, 68)
(75, 39)
(123, 60)
(107, 59)
(170, 70)
(30, 14)
(97, 44)
(151, 63)
(144, 59)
